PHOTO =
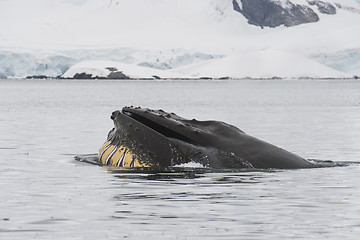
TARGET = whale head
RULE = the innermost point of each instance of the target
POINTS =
(142, 137)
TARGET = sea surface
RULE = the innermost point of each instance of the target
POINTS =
(46, 194)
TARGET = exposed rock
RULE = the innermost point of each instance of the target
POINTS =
(111, 69)
(236, 6)
(268, 13)
(82, 75)
(324, 7)
(117, 75)
(350, 9)
(37, 77)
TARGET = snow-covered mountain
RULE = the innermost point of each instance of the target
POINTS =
(180, 38)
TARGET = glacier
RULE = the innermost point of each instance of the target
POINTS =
(174, 39)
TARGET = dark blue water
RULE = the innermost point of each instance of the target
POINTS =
(46, 194)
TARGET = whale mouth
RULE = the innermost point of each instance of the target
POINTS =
(165, 131)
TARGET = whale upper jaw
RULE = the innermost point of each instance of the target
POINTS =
(199, 133)
(166, 124)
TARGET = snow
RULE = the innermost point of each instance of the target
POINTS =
(101, 69)
(262, 64)
(268, 64)
(181, 35)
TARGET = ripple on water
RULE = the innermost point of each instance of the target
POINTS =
(45, 194)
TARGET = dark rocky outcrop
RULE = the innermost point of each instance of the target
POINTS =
(350, 9)
(324, 7)
(114, 74)
(267, 13)
(82, 76)
(111, 69)
(117, 75)
(37, 77)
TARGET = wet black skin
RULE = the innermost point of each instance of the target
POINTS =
(165, 139)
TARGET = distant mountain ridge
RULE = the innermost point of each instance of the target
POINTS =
(48, 37)
(267, 13)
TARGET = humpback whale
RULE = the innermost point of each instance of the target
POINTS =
(142, 137)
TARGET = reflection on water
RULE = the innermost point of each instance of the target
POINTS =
(173, 174)
(45, 194)
(248, 205)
